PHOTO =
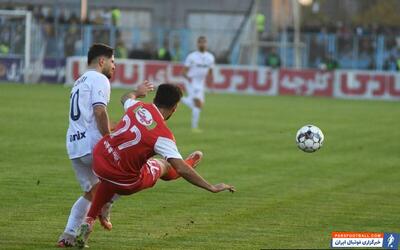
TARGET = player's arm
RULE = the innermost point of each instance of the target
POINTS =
(186, 65)
(112, 125)
(210, 75)
(193, 177)
(184, 72)
(166, 147)
(101, 116)
(140, 92)
(100, 95)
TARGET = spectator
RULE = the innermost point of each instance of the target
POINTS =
(223, 57)
(329, 63)
(392, 64)
(115, 16)
(144, 54)
(73, 19)
(106, 17)
(163, 53)
(177, 51)
(273, 60)
(121, 51)
(4, 49)
(38, 14)
(69, 40)
(260, 24)
(97, 18)
(61, 18)
(51, 45)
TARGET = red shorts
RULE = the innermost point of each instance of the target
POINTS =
(149, 174)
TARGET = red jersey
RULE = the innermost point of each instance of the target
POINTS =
(140, 134)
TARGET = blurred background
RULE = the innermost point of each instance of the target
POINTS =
(310, 34)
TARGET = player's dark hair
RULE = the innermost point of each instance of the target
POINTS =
(167, 96)
(99, 49)
(201, 38)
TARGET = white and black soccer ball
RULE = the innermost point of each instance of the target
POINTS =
(309, 138)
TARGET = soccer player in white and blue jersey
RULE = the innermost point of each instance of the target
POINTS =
(198, 65)
(88, 123)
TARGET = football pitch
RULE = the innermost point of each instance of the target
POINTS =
(285, 198)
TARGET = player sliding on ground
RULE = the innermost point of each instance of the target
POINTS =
(122, 161)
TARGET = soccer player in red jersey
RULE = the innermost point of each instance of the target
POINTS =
(122, 161)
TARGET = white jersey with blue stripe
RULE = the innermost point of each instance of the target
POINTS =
(91, 89)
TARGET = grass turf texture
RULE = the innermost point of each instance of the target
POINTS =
(285, 199)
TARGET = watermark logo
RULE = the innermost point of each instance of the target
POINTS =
(391, 241)
(365, 240)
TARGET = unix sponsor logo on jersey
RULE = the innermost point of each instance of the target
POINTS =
(76, 137)
(202, 65)
(144, 117)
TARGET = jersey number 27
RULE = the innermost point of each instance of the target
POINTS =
(126, 127)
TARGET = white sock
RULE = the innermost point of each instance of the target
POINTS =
(115, 197)
(78, 214)
(195, 117)
(188, 102)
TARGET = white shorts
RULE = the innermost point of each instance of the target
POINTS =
(195, 90)
(84, 173)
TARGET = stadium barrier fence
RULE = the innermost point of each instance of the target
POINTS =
(350, 84)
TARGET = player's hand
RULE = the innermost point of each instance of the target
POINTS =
(222, 187)
(143, 89)
(113, 125)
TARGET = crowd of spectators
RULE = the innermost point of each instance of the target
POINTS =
(70, 28)
(356, 45)
(336, 45)
(344, 46)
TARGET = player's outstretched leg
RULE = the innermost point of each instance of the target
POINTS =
(187, 101)
(104, 194)
(196, 110)
(104, 216)
(192, 160)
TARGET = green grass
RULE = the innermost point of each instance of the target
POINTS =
(285, 199)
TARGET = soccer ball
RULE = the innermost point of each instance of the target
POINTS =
(309, 138)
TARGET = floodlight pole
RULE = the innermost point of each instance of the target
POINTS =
(254, 57)
(27, 69)
(83, 10)
(296, 19)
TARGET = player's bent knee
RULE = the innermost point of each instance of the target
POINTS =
(164, 166)
(198, 103)
(167, 172)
